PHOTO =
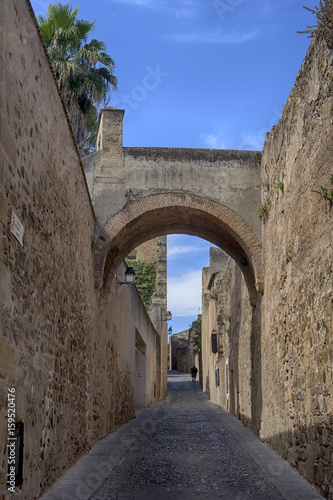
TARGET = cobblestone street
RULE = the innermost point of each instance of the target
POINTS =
(182, 448)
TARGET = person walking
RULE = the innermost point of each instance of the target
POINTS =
(194, 371)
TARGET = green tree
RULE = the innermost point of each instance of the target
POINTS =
(196, 335)
(85, 72)
(145, 279)
(89, 144)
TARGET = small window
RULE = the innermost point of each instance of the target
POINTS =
(217, 376)
(214, 343)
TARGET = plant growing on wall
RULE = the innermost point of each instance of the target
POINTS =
(145, 279)
(280, 186)
(263, 209)
(324, 27)
(196, 335)
(326, 194)
(83, 69)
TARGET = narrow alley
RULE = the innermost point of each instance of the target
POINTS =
(182, 448)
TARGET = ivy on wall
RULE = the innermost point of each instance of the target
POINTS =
(145, 279)
(196, 335)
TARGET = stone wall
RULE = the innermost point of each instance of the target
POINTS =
(66, 349)
(147, 251)
(209, 193)
(280, 375)
(227, 317)
(182, 352)
(156, 250)
(131, 173)
(158, 316)
(297, 253)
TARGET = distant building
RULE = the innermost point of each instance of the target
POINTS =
(182, 351)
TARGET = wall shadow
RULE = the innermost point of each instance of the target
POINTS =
(256, 369)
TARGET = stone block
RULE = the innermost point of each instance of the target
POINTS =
(7, 140)
(317, 473)
(3, 208)
(6, 358)
(2, 166)
(1, 242)
(5, 286)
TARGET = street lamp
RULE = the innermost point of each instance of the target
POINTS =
(129, 277)
(168, 316)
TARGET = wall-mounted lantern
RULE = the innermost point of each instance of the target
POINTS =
(168, 316)
(129, 277)
(170, 331)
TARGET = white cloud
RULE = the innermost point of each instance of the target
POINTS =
(184, 293)
(175, 250)
(216, 37)
(179, 8)
(142, 3)
(254, 141)
(214, 141)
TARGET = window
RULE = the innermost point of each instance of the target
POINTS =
(227, 377)
(217, 376)
(214, 342)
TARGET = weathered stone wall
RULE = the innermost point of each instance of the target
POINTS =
(158, 316)
(159, 191)
(227, 313)
(282, 377)
(182, 352)
(297, 343)
(227, 176)
(67, 350)
(156, 250)
(129, 328)
(217, 263)
(46, 283)
(147, 251)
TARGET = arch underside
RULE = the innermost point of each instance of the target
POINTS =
(163, 214)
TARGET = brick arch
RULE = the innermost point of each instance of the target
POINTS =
(169, 213)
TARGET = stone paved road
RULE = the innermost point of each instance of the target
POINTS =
(183, 448)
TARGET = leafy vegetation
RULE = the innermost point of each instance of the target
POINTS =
(280, 186)
(89, 144)
(145, 279)
(85, 72)
(196, 335)
(326, 194)
(324, 27)
(264, 208)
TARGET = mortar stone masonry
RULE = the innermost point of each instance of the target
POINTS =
(80, 349)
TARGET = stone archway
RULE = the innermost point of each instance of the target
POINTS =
(169, 213)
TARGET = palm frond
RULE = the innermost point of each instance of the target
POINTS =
(84, 69)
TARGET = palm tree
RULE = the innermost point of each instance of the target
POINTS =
(84, 70)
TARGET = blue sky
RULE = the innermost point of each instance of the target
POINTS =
(198, 74)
